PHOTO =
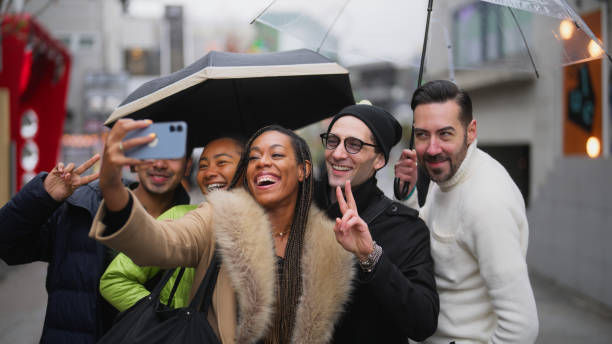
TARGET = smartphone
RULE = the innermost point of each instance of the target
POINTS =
(170, 141)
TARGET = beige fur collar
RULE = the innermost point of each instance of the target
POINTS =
(327, 275)
(247, 251)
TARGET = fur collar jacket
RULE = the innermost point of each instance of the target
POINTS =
(244, 296)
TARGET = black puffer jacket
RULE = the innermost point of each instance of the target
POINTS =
(398, 299)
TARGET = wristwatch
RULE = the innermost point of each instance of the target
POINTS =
(367, 265)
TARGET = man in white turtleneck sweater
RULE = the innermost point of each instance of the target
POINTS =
(476, 217)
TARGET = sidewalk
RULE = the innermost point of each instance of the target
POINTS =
(565, 317)
(23, 299)
(568, 317)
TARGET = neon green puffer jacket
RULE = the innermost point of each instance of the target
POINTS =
(122, 284)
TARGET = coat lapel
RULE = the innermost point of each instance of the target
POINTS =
(327, 274)
(247, 252)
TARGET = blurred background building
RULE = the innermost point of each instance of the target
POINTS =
(552, 132)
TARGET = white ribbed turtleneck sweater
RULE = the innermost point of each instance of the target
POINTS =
(479, 236)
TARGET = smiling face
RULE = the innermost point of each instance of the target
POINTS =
(162, 176)
(218, 163)
(342, 165)
(273, 174)
(440, 140)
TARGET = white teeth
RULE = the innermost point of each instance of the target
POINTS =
(266, 178)
(340, 168)
(215, 186)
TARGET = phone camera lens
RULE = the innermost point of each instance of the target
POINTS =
(179, 128)
(171, 128)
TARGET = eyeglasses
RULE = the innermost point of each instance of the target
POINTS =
(352, 144)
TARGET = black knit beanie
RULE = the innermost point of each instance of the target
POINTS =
(386, 129)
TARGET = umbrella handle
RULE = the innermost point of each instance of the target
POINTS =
(403, 193)
(400, 194)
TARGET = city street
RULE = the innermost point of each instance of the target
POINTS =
(565, 317)
(528, 82)
(23, 299)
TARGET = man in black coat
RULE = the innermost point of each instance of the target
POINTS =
(395, 297)
(49, 220)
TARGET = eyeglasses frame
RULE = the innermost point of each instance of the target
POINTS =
(325, 136)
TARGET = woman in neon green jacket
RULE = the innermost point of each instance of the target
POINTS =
(123, 282)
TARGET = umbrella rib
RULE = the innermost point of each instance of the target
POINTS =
(332, 24)
(535, 69)
(262, 12)
(585, 28)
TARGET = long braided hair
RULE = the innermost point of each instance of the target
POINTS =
(290, 280)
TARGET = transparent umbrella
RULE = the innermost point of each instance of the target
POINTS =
(508, 36)
(463, 35)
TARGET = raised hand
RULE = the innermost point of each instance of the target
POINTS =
(352, 233)
(406, 168)
(63, 180)
(115, 195)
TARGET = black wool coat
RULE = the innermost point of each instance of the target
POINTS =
(398, 299)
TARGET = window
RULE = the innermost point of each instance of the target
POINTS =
(485, 33)
(66, 40)
(86, 42)
(78, 42)
(140, 61)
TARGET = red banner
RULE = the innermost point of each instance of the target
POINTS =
(35, 70)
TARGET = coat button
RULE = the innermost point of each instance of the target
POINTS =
(394, 208)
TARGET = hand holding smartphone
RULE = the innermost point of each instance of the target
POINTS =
(169, 143)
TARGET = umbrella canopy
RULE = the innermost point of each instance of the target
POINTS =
(503, 36)
(464, 35)
(228, 93)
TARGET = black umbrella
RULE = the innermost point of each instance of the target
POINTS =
(229, 93)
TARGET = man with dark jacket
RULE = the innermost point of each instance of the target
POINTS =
(49, 219)
(395, 297)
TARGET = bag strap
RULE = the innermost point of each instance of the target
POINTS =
(151, 283)
(162, 283)
(374, 211)
(203, 296)
(175, 286)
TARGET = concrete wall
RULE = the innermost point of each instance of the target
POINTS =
(527, 112)
(570, 226)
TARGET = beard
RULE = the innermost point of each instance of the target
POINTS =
(437, 174)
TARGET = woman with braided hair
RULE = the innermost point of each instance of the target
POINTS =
(283, 277)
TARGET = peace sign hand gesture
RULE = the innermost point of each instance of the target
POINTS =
(63, 180)
(352, 233)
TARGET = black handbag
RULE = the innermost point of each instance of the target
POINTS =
(150, 321)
